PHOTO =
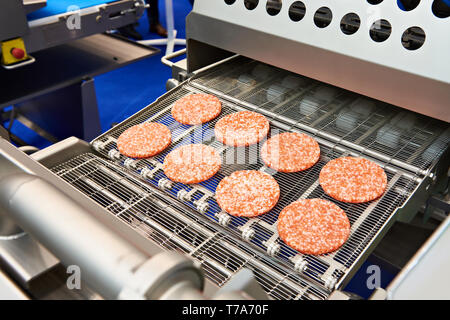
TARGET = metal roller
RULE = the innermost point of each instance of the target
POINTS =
(71, 234)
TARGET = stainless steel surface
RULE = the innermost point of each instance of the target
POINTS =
(125, 272)
(426, 274)
(382, 70)
(25, 259)
(240, 287)
(166, 59)
(169, 276)
(378, 294)
(60, 152)
(179, 68)
(406, 167)
(33, 126)
(338, 295)
(28, 149)
(8, 228)
(57, 222)
(24, 63)
(9, 290)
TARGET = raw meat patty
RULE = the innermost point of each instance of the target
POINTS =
(242, 128)
(192, 163)
(144, 140)
(313, 226)
(196, 109)
(290, 152)
(352, 179)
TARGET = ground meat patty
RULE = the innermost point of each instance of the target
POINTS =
(247, 193)
(290, 152)
(196, 109)
(242, 128)
(313, 226)
(351, 179)
(144, 140)
(192, 163)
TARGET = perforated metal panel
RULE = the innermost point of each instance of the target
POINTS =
(386, 53)
(390, 53)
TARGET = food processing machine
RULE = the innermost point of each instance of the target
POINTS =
(349, 74)
(49, 53)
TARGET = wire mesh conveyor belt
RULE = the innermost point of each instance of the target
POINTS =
(196, 225)
(394, 135)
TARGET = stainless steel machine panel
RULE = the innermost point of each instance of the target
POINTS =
(424, 274)
(392, 55)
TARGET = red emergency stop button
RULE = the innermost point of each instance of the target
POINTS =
(18, 53)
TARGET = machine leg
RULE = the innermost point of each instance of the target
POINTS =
(70, 111)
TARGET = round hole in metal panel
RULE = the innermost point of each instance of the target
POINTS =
(350, 23)
(323, 17)
(380, 30)
(441, 8)
(408, 5)
(374, 1)
(297, 11)
(230, 2)
(273, 7)
(413, 38)
(251, 4)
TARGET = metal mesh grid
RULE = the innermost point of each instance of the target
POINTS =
(403, 138)
(326, 270)
(176, 228)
